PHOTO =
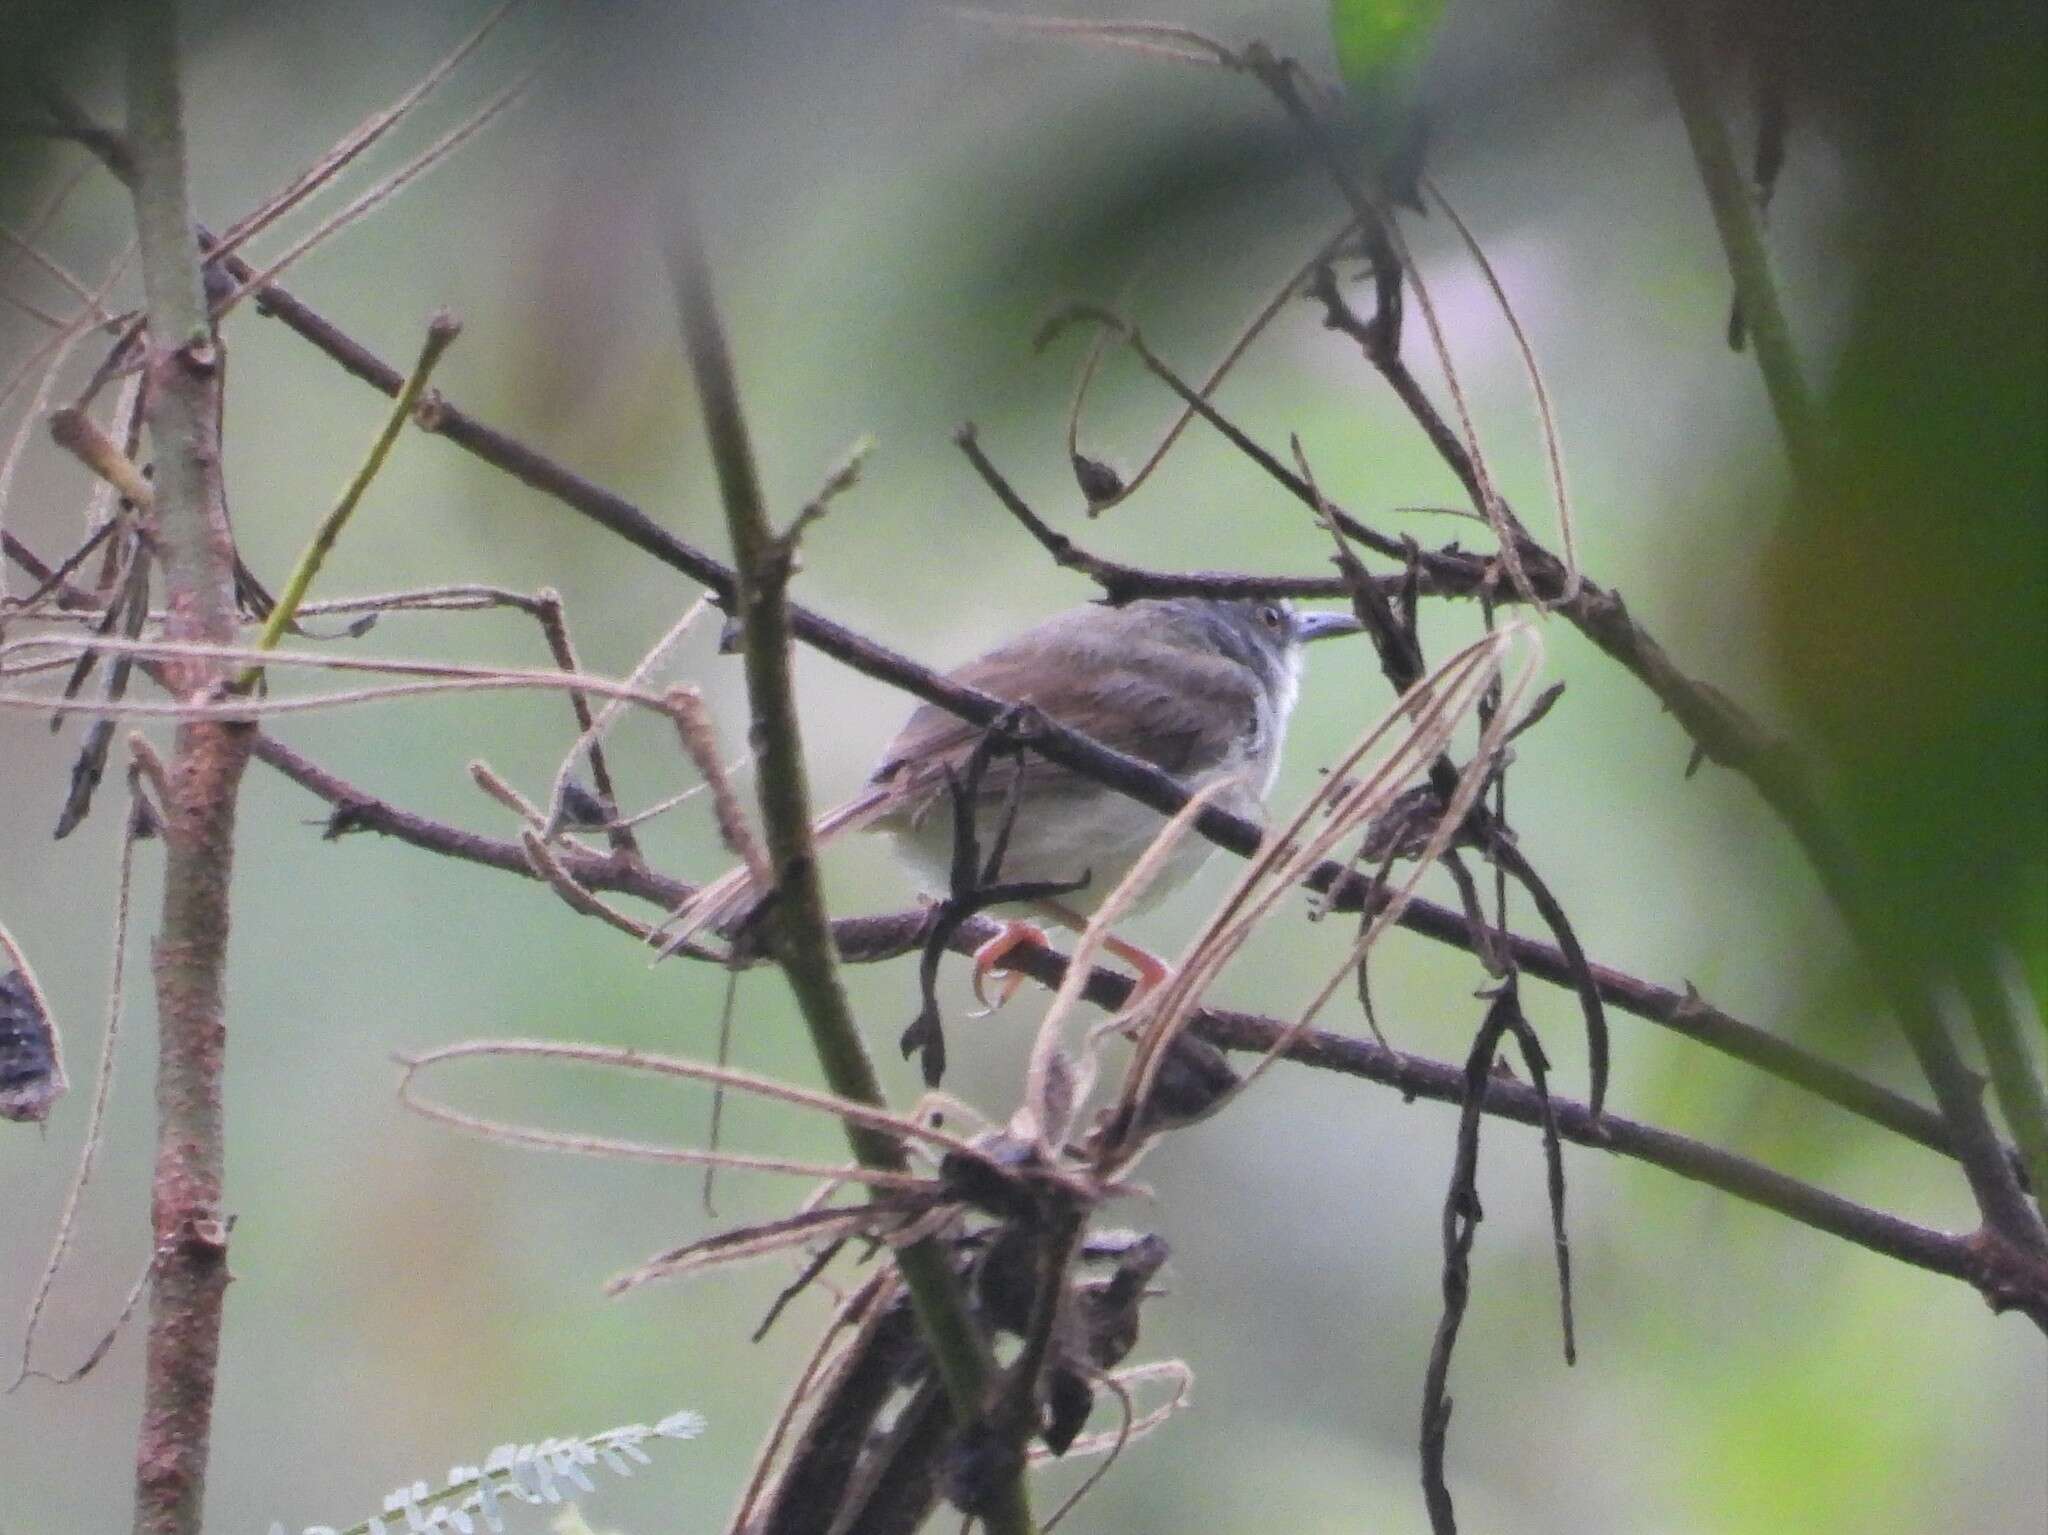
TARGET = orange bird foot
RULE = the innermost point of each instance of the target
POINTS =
(988, 960)
(1152, 970)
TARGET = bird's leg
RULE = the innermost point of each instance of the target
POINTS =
(988, 960)
(1152, 970)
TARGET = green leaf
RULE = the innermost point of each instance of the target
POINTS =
(1381, 43)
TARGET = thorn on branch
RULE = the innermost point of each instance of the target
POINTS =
(842, 477)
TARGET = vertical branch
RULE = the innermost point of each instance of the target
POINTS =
(182, 376)
(799, 929)
(1672, 25)
(2003, 1010)
(1906, 976)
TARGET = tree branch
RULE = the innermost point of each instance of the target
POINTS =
(1992, 1266)
(799, 929)
(1672, 26)
(2007, 1276)
(182, 382)
(2008, 1026)
(1722, 731)
(867, 940)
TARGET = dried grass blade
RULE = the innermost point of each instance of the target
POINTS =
(1107, 324)
(696, 1071)
(642, 1151)
(425, 161)
(764, 1239)
(1048, 1130)
(1432, 710)
(1553, 444)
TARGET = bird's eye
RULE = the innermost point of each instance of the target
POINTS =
(1273, 616)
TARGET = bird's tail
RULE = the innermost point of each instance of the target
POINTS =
(720, 905)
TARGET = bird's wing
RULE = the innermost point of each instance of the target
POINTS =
(1103, 672)
(1186, 710)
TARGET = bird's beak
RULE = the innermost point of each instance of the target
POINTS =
(1324, 625)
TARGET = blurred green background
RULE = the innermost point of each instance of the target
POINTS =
(898, 195)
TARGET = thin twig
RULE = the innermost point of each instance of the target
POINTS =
(141, 822)
(554, 626)
(589, 742)
(254, 281)
(359, 139)
(19, 442)
(1125, 583)
(1553, 446)
(1102, 496)
(442, 330)
(72, 285)
(2007, 1018)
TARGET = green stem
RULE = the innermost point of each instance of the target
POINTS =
(802, 931)
(1997, 1002)
(441, 333)
(1672, 24)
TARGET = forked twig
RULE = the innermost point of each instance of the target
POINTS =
(358, 140)
(368, 202)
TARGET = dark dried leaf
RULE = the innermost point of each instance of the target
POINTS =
(1069, 1400)
(1098, 481)
(1193, 1077)
(28, 1053)
(348, 816)
(583, 809)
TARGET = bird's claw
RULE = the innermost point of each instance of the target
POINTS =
(988, 960)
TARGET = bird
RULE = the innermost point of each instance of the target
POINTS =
(1199, 687)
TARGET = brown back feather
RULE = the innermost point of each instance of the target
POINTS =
(1105, 672)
